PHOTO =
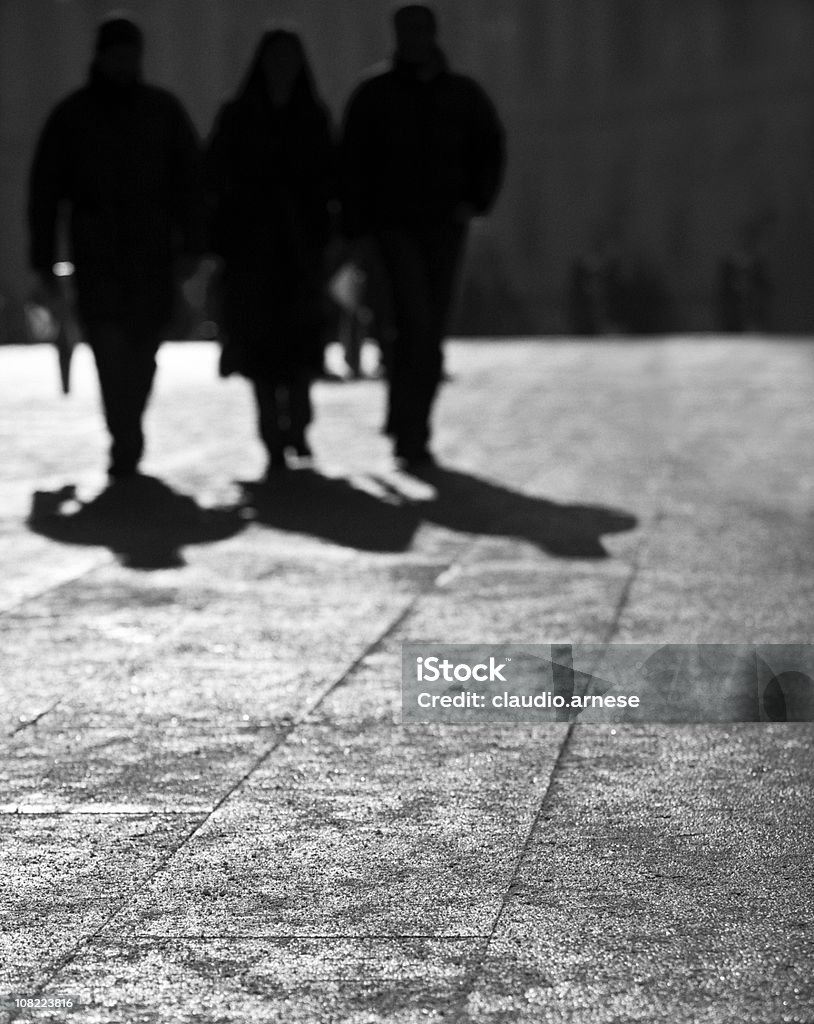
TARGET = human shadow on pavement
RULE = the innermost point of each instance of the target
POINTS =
(470, 504)
(144, 522)
(333, 509)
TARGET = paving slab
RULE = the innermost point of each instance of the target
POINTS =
(111, 643)
(667, 880)
(711, 607)
(302, 981)
(79, 762)
(326, 837)
(63, 876)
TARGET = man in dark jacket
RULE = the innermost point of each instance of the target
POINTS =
(121, 159)
(423, 152)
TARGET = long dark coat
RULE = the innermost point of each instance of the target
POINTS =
(127, 163)
(271, 175)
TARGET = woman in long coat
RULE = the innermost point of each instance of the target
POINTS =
(271, 168)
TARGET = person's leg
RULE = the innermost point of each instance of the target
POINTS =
(351, 341)
(126, 367)
(443, 251)
(379, 302)
(300, 413)
(415, 358)
(294, 412)
(268, 421)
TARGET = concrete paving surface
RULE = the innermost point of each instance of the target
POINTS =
(209, 810)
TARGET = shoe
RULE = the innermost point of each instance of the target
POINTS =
(302, 449)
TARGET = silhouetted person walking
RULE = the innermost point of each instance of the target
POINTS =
(744, 292)
(423, 152)
(272, 172)
(124, 160)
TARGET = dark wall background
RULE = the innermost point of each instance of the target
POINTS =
(658, 131)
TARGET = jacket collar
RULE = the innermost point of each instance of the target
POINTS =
(437, 66)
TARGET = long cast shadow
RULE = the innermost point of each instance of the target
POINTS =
(305, 501)
(471, 504)
(145, 523)
(333, 509)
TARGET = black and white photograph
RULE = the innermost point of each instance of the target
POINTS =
(407, 512)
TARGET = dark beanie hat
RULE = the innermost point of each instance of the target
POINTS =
(401, 14)
(118, 32)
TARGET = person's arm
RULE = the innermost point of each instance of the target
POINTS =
(47, 189)
(487, 151)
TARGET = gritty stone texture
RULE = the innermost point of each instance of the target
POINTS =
(326, 837)
(210, 809)
(64, 875)
(677, 893)
(410, 981)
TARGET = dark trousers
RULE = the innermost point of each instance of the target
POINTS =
(283, 411)
(125, 361)
(421, 265)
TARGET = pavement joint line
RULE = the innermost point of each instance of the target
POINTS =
(637, 557)
(468, 984)
(118, 810)
(309, 936)
(51, 973)
(33, 721)
(477, 965)
(132, 663)
(624, 595)
(625, 591)
(104, 560)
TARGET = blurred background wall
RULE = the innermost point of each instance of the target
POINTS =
(659, 135)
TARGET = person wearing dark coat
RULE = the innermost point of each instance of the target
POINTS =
(422, 153)
(122, 160)
(271, 174)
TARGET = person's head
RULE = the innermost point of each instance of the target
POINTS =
(119, 51)
(279, 69)
(416, 31)
(282, 64)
